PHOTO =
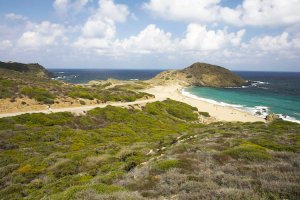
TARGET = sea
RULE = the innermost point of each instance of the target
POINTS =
(82, 76)
(268, 92)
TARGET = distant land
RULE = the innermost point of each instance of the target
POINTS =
(203, 74)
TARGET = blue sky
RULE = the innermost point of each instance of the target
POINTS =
(152, 34)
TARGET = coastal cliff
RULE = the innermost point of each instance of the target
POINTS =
(203, 74)
(26, 69)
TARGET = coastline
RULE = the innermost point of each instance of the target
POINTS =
(218, 112)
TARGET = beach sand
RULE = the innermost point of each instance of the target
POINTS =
(220, 113)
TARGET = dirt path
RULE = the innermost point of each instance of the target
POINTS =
(82, 109)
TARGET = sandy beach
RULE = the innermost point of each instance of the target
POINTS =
(220, 113)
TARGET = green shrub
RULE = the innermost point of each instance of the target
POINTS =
(81, 92)
(167, 164)
(44, 119)
(64, 168)
(98, 188)
(82, 102)
(39, 94)
(205, 114)
(7, 88)
(248, 151)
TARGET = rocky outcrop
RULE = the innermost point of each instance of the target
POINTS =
(203, 74)
(30, 69)
(271, 117)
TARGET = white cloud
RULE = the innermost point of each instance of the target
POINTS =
(102, 23)
(93, 43)
(113, 11)
(188, 10)
(250, 12)
(200, 39)
(5, 44)
(13, 16)
(277, 43)
(151, 39)
(99, 28)
(65, 7)
(269, 12)
(157, 41)
(42, 34)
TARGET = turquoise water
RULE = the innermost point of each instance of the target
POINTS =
(269, 93)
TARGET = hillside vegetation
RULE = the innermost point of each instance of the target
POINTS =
(158, 152)
(203, 74)
(32, 80)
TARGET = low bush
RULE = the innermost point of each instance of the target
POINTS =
(167, 164)
(205, 114)
(248, 151)
(39, 94)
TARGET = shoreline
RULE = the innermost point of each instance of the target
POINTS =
(218, 112)
(163, 92)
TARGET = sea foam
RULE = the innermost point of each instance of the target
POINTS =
(260, 111)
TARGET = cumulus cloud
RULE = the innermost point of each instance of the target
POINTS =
(282, 44)
(250, 12)
(188, 10)
(5, 44)
(42, 34)
(65, 7)
(155, 40)
(13, 16)
(151, 39)
(102, 24)
(95, 34)
(199, 38)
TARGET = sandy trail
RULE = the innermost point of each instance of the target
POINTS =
(82, 109)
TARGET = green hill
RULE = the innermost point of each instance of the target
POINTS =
(31, 69)
(203, 74)
(19, 80)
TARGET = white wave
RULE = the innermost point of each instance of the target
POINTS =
(188, 94)
(134, 79)
(60, 77)
(288, 118)
(261, 82)
(260, 111)
(60, 72)
(252, 84)
(257, 83)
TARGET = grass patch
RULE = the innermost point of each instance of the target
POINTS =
(205, 114)
(39, 94)
(167, 164)
(248, 151)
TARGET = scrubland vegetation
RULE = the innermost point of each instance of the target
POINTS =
(158, 152)
(46, 91)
